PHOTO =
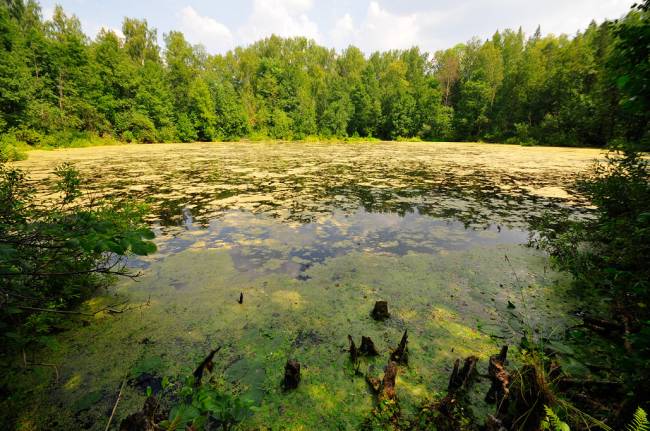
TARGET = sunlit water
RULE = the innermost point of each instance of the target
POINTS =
(312, 234)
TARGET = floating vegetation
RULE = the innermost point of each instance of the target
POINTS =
(277, 253)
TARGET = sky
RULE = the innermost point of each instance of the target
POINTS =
(372, 25)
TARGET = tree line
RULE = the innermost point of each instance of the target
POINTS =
(57, 85)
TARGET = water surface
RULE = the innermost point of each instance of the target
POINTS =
(312, 234)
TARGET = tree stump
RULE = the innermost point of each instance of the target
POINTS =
(354, 352)
(388, 383)
(461, 377)
(384, 388)
(499, 376)
(291, 374)
(367, 347)
(401, 354)
(380, 311)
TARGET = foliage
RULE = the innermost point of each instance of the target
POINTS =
(607, 253)
(56, 82)
(552, 422)
(54, 255)
(202, 407)
(639, 421)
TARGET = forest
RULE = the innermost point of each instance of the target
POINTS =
(62, 88)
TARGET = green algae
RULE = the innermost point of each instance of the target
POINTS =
(312, 235)
(434, 296)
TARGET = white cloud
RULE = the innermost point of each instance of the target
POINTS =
(442, 24)
(378, 30)
(215, 36)
(48, 13)
(379, 25)
(115, 30)
(284, 18)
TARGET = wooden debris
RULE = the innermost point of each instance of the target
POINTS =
(291, 374)
(206, 364)
(384, 388)
(388, 383)
(447, 414)
(500, 388)
(523, 409)
(461, 378)
(400, 355)
(354, 352)
(146, 419)
(367, 347)
(380, 311)
(117, 401)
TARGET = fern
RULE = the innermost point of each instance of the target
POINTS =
(553, 423)
(639, 421)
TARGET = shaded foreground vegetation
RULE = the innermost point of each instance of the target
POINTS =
(60, 88)
(54, 255)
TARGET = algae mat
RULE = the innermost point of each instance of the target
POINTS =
(312, 234)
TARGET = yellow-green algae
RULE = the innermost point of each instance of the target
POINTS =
(451, 303)
(312, 234)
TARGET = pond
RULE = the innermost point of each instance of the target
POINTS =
(312, 234)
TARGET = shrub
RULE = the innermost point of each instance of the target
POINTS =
(53, 256)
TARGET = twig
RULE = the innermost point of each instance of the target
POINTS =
(134, 307)
(117, 401)
(48, 310)
(108, 308)
(42, 364)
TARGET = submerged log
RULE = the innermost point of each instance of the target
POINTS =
(499, 376)
(367, 347)
(461, 378)
(291, 374)
(401, 354)
(380, 311)
(206, 364)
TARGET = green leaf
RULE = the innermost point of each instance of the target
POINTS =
(143, 248)
(181, 415)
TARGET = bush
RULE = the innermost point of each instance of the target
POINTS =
(139, 125)
(127, 136)
(185, 128)
(54, 256)
(609, 253)
(167, 134)
(11, 148)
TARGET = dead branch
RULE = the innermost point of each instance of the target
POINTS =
(117, 401)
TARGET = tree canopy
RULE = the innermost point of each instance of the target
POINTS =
(58, 85)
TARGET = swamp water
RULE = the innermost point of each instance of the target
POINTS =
(312, 234)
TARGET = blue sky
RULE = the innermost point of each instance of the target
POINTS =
(369, 24)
